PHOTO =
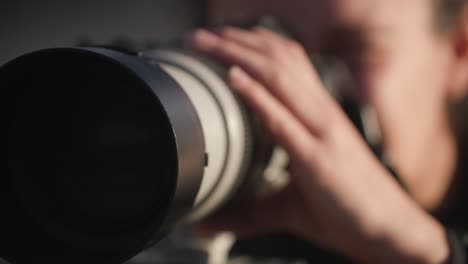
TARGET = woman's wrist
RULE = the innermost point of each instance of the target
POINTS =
(415, 238)
(393, 228)
(425, 243)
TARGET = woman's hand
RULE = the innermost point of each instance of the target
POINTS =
(340, 196)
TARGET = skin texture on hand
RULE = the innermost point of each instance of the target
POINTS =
(340, 197)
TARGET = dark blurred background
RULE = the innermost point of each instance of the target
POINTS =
(27, 25)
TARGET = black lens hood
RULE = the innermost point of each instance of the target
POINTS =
(105, 154)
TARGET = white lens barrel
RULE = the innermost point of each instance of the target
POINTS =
(224, 127)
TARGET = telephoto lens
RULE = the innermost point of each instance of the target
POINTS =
(108, 151)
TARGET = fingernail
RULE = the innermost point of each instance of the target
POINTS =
(238, 77)
(204, 39)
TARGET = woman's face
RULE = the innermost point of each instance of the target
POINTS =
(400, 62)
(402, 65)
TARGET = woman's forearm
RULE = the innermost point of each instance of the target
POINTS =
(411, 236)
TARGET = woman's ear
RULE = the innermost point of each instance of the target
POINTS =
(459, 82)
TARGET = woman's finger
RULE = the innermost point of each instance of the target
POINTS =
(283, 126)
(229, 51)
(243, 37)
(292, 85)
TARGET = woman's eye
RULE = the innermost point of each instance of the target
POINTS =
(356, 48)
